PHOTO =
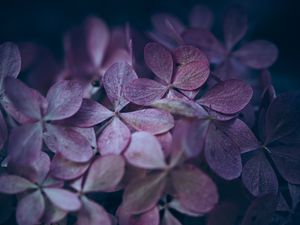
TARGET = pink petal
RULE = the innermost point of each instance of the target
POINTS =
(165, 141)
(258, 54)
(159, 60)
(63, 199)
(235, 26)
(114, 138)
(191, 76)
(259, 177)
(29, 102)
(30, 209)
(169, 219)
(149, 156)
(222, 154)
(227, 97)
(116, 78)
(85, 46)
(207, 42)
(10, 60)
(142, 194)
(150, 217)
(64, 169)
(92, 213)
(89, 114)
(176, 205)
(201, 17)
(11, 184)
(70, 143)
(151, 120)
(65, 98)
(42, 167)
(143, 91)
(195, 190)
(241, 134)
(185, 54)
(104, 174)
(3, 131)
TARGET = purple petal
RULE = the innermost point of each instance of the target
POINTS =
(89, 114)
(42, 167)
(169, 219)
(258, 54)
(259, 177)
(185, 54)
(29, 103)
(201, 17)
(180, 107)
(3, 131)
(287, 161)
(207, 42)
(235, 26)
(222, 154)
(195, 190)
(241, 134)
(227, 97)
(159, 60)
(176, 205)
(295, 194)
(92, 213)
(148, 156)
(64, 169)
(11, 184)
(65, 98)
(282, 116)
(143, 91)
(165, 141)
(191, 76)
(260, 211)
(85, 46)
(63, 199)
(69, 142)
(116, 78)
(151, 120)
(52, 213)
(10, 61)
(142, 194)
(24, 146)
(30, 209)
(104, 174)
(114, 138)
(150, 217)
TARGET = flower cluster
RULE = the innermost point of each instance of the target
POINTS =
(168, 127)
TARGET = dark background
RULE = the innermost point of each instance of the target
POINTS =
(45, 22)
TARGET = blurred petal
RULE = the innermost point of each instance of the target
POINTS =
(3, 131)
(159, 60)
(11, 184)
(195, 190)
(149, 156)
(201, 17)
(116, 78)
(143, 91)
(105, 173)
(65, 98)
(143, 193)
(227, 97)
(235, 26)
(30, 209)
(10, 61)
(169, 219)
(63, 199)
(176, 205)
(222, 154)
(70, 143)
(114, 138)
(26, 100)
(150, 217)
(92, 213)
(259, 177)
(225, 213)
(191, 75)
(89, 114)
(258, 54)
(64, 169)
(151, 120)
